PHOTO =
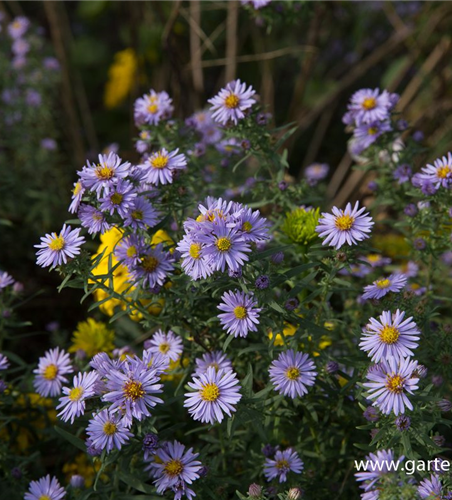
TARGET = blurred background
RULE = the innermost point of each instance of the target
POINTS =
(88, 61)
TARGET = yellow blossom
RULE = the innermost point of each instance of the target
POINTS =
(92, 337)
(121, 77)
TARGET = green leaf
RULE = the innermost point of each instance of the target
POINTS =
(74, 440)
(136, 483)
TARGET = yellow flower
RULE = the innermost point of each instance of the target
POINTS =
(83, 467)
(288, 331)
(92, 337)
(392, 245)
(121, 76)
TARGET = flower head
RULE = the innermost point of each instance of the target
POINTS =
(283, 463)
(5, 280)
(167, 344)
(119, 199)
(152, 108)
(55, 249)
(129, 249)
(240, 313)
(4, 362)
(315, 173)
(345, 226)
(141, 214)
(46, 488)
(383, 286)
(102, 176)
(215, 359)
(366, 134)
(194, 261)
(51, 371)
(72, 404)
(77, 195)
(231, 102)
(154, 266)
(376, 467)
(430, 488)
(107, 431)
(215, 392)
(292, 373)
(92, 337)
(300, 225)
(18, 27)
(367, 106)
(440, 173)
(160, 166)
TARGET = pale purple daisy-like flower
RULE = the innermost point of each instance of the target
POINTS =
(430, 488)
(104, 174)
(4, 362)
(367, 105)
(215, 393)
(167, 344)
(231, 102)
(18, 27)
(292, 373)
(107, 431)
(55, 249)
(402, 173)
(377, 260)
(440, 173)
(257, 4)
(224, 247)
(20, 47)
(383, 286)
(366, 134)
(142, 214)
(159, 167)
(51, 371)
(284, 462)
(390, 336)
(5, 280)
(389, 382)
(252, 225)
(152, 108)
(175, 468)
(240, 315)
(132, 390)
(154, 266)
(77, 194)
(216, 359)
(142, 143)
(345, 226)
(93, 219)
(194, 262)
(315, 173)
(129, 249)
(46, 488)
(72, 404)
(119, 198)
(376, 465)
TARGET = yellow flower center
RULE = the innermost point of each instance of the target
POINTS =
(110, 428)
(164, 347)
(144, 134)
(293, 373)
(223, 244)
(131, 251)
(195, 250)
(373, 257)
(344, 222)
(76, 394)
(133, 390)
(214, 365)
(372, 130)
(383, 283)
(282, 464)
(369, 103)
(153, 108)
(77, 188)
(174, 467)
(395, 384)
(57, 243)
(149, 263)
(50, 372)
(104, 173)
(240, 312)
(443, 172)
(116, 198)
(247, 226)
(159, 161)
(389, 334)
(44, 497)
(232, 101)
(137, 215)
(210, 393)
(98, 217)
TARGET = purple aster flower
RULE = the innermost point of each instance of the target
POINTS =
(402, 125)
(283, 185)
(20, 47)
(55, 250)
(107, 431)
(430, 488)
(152, 108)
(440, 173)
(252, 225)
(291, 304)
(150, 445)
(129, 249)
(119, 198)
(240, 313)
(257, 4)
(411, 210)
(389, 383)
(292, 373)
(372, 186)
(444, 405)
(5, 280)
(215, 393)
(331, 367)
(93, 219)
(391, 336)
(18, 27)
(228, 147)
(268, 450)
(33, 98)
(51, 63)
(224, 247)
(376, 465)
(403, 423)
(316, 172)
(154, 266)
(263, 118)
(73, 403)
(77, 481)
(383, 286)
(175, 469)
(142, 143)
(277, 258)
(46, 488)
(366, 134)
(77, 194)
(194, 261)
(215, 359)
(262, 282)
(424, 183)
(51, 371)
(371, 414)
(231, 102)
(284, 462)
(103, 175)
(4, 362)
(345, 226)
(254, 490)
(368, 106)
(132, 389)
(142, 214)
(161, 165)
(167, 344)
(377, 260)
(403, 173)
(419, 243)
